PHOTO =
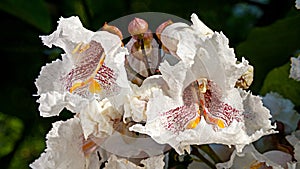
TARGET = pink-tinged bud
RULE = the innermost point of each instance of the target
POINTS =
(137, 26)
(147, 36)
(162, 26)
(112, 29)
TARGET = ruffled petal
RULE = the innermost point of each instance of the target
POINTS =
(251, 158)
(136, 106)
(92, 68)
(282, 110)
(98, 118)
(64, 147)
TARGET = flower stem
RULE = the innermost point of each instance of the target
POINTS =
(208, 150)
(196, 152)
(159, 50)
(145, 58)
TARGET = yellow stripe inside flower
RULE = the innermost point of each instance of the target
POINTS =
(193, 124)
(88, 147)
(94, 86)
(259, 165)
(219, 122)
(81, 48)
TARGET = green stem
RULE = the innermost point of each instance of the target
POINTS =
(201, 157)
(208, 150)
(145, 59)
(159, 49)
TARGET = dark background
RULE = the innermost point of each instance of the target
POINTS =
(266, 32)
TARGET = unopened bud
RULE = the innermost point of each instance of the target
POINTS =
(161, 27)
(137, 26)
(112, 29)
(148, 37)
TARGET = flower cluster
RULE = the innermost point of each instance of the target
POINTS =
(177, 87)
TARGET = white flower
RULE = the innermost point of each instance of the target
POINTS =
(297, 4)
(67, 149)
(91, 68)
(295, 68)
(251, 158)
(149, 163)
(202, 105)
(294, 140)
(282, 110)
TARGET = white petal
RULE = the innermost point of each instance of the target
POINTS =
(137, 101)
(294, 140)
(279, 157)
(63, 147)
(52, 103)
(199, 26)
(256, 117)
(97, 118)
(251, 157)
(282, 110)
(119, 163)
(132, 146)
(256, 125)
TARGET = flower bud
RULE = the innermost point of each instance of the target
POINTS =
(148, 37)
(162, 26)
(112, 29)
(137, 26)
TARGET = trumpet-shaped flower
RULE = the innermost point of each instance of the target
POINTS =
(202, 104)
(91, 68)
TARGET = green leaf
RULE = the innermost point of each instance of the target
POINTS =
(33, 12)
(270, 46)
(10, 131)
(29, 150)
(278, 81)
